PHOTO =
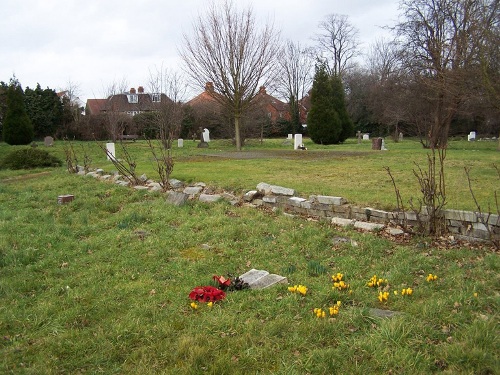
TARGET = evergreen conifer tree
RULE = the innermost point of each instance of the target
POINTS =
(17, 126)
(323, 121)
(341, 109)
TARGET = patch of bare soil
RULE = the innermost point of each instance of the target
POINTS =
(25, 177)
(284, 154)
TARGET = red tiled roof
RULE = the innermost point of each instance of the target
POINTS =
(95, 106)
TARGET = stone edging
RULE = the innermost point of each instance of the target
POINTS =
(465, 225)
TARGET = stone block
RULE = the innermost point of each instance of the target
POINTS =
(342, 222)
(270, 199)
(192, 190)
(460, 215)
(209, 198)
(377, 213)
(175, 184)
(368, 226)
(325, 199)
(250, 195)
(63, 199)
(264, 188)
(295, 201)
(274, 189)
(176, 198)
(306, 204)
(141, 187)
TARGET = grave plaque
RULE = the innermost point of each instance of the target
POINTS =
(366, 137)
(180, 143)
(62, 199)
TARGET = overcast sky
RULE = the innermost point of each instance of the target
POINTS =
(92, 43)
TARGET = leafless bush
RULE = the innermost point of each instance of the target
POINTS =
(125, 167)
(484, 217)
(163, 159)
(72, 159)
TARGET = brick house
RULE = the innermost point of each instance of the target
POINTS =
(265, 111)
(128, 103)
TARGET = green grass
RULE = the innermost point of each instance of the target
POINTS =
(100, 285)
(350, 170)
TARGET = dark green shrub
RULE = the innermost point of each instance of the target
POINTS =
(28, 158)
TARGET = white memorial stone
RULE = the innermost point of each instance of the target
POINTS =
(297, 141)
(366, 137)
(206, 135)
(290, 136)
(180, 143)
(471, 136)
(110, 148)
(383, 145)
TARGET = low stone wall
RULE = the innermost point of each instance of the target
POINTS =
(462, 224)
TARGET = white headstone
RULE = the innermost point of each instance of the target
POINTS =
(206, 135)
(383, 145)
(110, 147)
(180, 143)
(366, 137)
(400, 136)
(290, 136)
(471, 136)
(297, 141)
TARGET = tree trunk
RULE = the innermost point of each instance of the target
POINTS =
(237, 136)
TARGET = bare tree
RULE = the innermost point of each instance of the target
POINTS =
(338, 43)
(295, 77)
(168, 89)
(115, 119)
(228, 49)
(441, 40)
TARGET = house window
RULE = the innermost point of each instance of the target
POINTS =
(156, 98)
(269, 114)
(133, 98)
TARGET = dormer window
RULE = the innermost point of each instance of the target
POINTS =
(133, 98)
(156, 98)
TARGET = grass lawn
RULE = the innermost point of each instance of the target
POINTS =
(100, 285)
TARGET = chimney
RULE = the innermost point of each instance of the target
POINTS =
(132, 90)
(262, 90)
(141, 90)
(209, 87)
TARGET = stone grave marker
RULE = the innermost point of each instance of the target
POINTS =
(180, 143)
(110, 147)
(62, 199)
(377, 143)
(290, 136)
(206, 135)
(48, 141)
(471, 136)
(382, 146)
(297, 141)
(400, 137)
(358, 135)
(366, 137)
(260, 279)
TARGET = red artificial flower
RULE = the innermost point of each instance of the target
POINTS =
(223, 282)
(207, 294)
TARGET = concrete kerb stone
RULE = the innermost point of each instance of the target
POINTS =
(209, 198)
(329, 200)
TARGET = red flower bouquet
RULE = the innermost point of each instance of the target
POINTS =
(207, 294)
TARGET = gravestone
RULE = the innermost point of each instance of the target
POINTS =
(382, 146)
(400, 137)
(358, 135)
(48, 141)
(110, 148)
(260, 279)
(180, 143)
(206, 135)
(62, 199)
(290, 136)
(377, 143)
(366, 137)
(471, 136)
(297, 141)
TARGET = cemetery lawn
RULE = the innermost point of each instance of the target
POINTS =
(101, 284)
(350, 170)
